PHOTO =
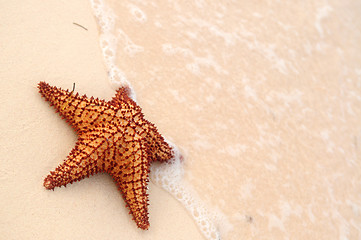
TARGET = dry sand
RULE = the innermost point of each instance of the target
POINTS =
(39, 42)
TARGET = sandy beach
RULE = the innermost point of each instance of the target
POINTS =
(262, 99)
(40, 42)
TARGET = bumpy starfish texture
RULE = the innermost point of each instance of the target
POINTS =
(113, 137)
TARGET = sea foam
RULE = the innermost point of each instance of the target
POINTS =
(170, 175)
(109, 42)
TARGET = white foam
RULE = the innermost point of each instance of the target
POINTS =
(170, 50)
(108, 44)
(137, 13)
(320, 15)
(130, 48)
(197, 62)
(170, 177)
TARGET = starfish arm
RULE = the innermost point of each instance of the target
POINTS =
(63, 101)
(159, 149)
(82, 162)
(131, 176)
(81, 112)
(122, 99)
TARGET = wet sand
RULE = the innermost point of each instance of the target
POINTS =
(264, 99)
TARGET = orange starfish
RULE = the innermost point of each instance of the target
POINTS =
(113, 137)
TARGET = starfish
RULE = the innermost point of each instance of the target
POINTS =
(113, 137)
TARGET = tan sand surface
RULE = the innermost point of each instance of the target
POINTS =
(39, 42)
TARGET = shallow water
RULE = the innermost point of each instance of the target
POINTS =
(263, 99)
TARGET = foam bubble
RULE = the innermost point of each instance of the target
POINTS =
(169, 49)
(320, 15)
(197, 62)
(193, 68)
(137, 13)
(104, 14)
(130, 48)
